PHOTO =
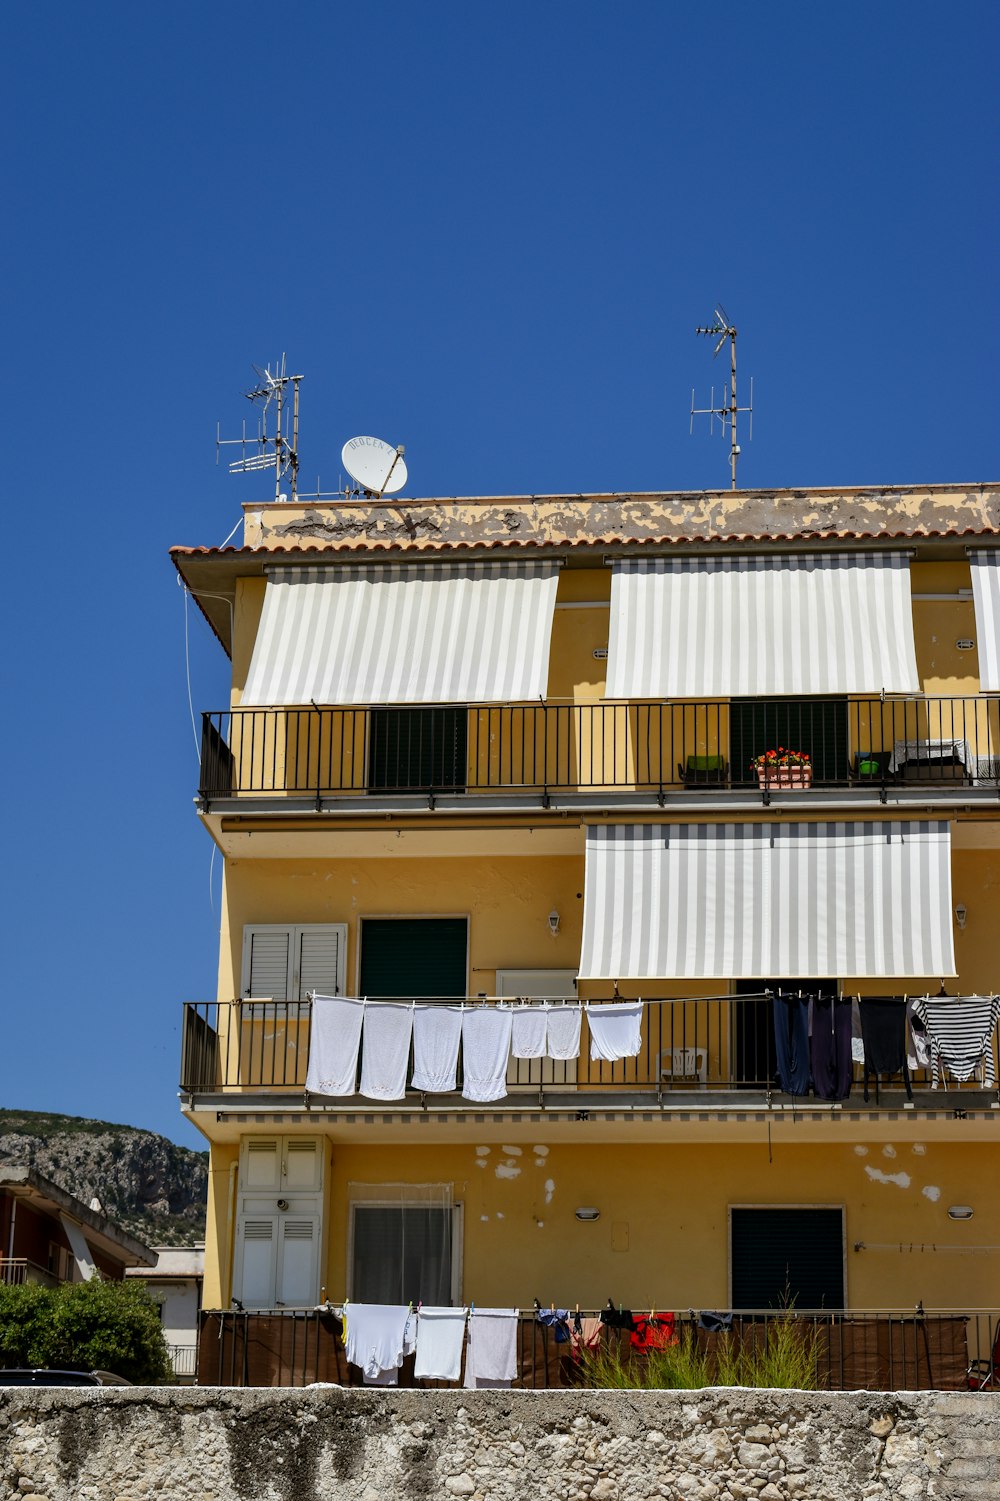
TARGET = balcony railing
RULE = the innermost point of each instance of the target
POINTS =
(562, 748)
(709, 1046)
(184, 1360)
(17, 1270)
(871, 1350)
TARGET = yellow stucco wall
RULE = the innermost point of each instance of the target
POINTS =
(662, 1236)
(508, 899)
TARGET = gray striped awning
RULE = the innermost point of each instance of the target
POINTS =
(723, 627)
(986, 594)
(768, 901)
(404, 634)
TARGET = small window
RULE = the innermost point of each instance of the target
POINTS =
(787, 1257)
(417, 750)
(405, 1253)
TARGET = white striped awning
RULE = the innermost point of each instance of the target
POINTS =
(768, 901)
(404, 634)
(722, 627)
(986, 594)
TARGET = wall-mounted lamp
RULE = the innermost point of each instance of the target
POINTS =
(961, 913)
(587, 1214)
(553, 922)
(960, 1211)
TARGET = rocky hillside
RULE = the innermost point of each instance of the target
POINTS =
(151, 1187)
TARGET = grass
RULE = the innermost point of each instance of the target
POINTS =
(782, 1353)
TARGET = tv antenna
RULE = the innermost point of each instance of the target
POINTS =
(727, 411)
(275, 451)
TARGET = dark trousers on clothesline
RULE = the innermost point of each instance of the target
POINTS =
(791, 1042)
(832, 1065)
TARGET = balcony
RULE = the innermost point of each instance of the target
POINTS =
(16, 1271)
(713, 1053)
(868, 749)
(872, 1350)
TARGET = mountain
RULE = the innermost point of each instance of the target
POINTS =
(150, 1186)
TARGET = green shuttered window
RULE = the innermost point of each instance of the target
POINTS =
(407, 956)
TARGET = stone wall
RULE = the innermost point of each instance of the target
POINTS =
(331, 1444)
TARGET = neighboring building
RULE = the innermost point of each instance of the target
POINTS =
(48, 1236)
(174, 1283)
(508, 747)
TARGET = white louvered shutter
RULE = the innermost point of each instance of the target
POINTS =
(266, 954)
(255, 1288)
(262, 1164)
(303, 1164)
(321, 953)
(297, 1258)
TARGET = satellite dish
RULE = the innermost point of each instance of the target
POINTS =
(377, 466)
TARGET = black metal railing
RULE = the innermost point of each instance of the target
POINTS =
(871, 1349)
(721, 1044)
(560, 747)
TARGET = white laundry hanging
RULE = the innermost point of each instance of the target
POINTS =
(440, 1338)
(375, 1336)
(563, 1032)
(334, 1038)
(485, 1052)
(529, 1031)
(437, 1032)
(615, 1030)
(386, 1050)
(491, 1359)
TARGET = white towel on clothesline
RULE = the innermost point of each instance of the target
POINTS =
(529, 1031)
(615, 1030)
(491, 1359)
(390, 1377)
(485, 1052)
(334, 1036)
(376, 1337)
(440, 1337)
(386, 1050)
(437, 1032)
(563, 1032)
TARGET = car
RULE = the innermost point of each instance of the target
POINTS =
(42, 1376)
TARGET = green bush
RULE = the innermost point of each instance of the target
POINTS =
(89, 1326)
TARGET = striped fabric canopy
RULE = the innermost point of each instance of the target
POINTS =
(986, 593)
(721, 627)
(751, 900)
(404, 634)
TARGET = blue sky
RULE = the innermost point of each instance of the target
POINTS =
(485, 231)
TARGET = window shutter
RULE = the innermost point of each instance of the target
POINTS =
(302, 1165)
(257, 1280)
(407, 956)
(320, 964)
(787, 1254)
(261, 1164)
(299, 1240)
(265, 962)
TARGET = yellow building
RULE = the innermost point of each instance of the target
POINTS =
(517, 747)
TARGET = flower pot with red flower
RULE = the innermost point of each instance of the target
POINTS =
(783, 770)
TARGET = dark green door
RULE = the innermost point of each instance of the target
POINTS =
(407, 956)
(417, 750)
(787, 1256)
(816, 725)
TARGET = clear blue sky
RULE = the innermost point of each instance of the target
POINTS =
(486, 231)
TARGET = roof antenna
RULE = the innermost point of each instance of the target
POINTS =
(726, 412)
(280, 452)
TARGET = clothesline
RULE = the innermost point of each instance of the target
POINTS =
(469, 1003)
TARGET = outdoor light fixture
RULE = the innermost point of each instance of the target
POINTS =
(588, 1215)
(553, 922)
(961, 914)
(960, 1211)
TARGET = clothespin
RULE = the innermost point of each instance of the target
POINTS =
(617, 995)
(552, 1308)
(472, 1307)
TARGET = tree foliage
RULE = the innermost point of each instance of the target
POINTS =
(85, 1326)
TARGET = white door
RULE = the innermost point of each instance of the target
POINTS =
(278, 1229)
(554, 984)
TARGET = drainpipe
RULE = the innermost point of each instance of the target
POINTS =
(231, 1228)
(13, 1217)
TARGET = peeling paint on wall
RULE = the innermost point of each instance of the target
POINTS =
(931, 1192)
(901, 1180)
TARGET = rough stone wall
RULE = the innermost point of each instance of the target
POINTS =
(331, 1444)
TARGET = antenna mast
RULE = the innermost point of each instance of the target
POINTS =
(727, 411)
(279, 452)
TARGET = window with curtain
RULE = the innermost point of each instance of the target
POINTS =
(404, 1244)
